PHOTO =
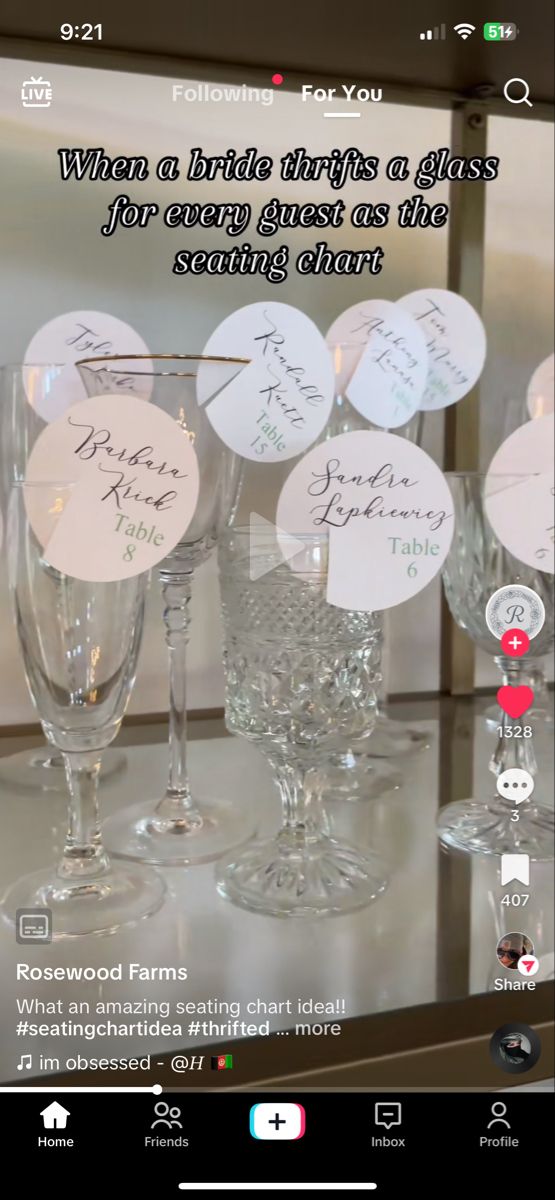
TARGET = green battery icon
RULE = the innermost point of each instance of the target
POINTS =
(500, 31)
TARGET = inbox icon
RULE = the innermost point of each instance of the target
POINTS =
(387, 1113)
(277, 1122)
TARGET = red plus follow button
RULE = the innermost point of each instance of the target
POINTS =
(515, 642)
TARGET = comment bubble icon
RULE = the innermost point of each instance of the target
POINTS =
(515, 784)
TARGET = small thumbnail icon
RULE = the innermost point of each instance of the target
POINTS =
(222, 1062)
(33, 925)
(515, 1048)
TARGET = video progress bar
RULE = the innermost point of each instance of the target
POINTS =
(155, 1089)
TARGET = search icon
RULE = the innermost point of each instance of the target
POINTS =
(517, 99)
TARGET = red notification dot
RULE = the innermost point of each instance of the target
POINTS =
(277, 79)
(515, 643)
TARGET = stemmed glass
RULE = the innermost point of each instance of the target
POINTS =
(476, 566)
(300, 682)
(533, 672)
(23, 389)
(80, 642)
(177, 828)
(391, 737)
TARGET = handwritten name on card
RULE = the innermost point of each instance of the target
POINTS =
(66, 339)
(455, 341)
(386, 379)
(280, 403)
(134, 487)
(388, 511)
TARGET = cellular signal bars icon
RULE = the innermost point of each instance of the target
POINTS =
(437, 34)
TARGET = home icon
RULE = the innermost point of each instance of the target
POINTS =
(55, 1116)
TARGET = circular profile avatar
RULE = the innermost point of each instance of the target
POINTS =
(511, 947)
(515, 1048)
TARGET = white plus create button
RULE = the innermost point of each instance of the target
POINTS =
(277, 1122)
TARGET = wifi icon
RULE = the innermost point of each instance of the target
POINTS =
(464, 29)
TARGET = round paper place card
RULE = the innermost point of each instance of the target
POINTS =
(66, 339)
(519, 493)
(278, 405)
(455, 340)
(133, 487)
(389, 371)
(541, 389)
(387, 509)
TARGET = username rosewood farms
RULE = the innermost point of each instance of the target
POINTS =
(119, 971)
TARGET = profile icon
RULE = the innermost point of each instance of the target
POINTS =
(510, 949)
(515, 1048)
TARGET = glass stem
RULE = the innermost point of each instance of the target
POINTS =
(176, 591)
(381, 690)
(300, 786)
(84, 855)
(535, 677)
(512, 751)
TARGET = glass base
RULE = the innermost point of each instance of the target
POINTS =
(391, 738)
(354, 776)
(486, 828)
(123, 895)
(143, 835)
(317, 879)
(43, 769)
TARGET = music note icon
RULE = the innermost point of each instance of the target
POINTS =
(26, 1062)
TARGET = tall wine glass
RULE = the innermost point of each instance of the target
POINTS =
(80, 643)
(176, 827)
(476, 566)
(24, 388)
(391, 738)
(300, 681)
(516, 414)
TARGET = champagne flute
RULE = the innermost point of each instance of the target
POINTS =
(80, 642)
(179, 827)
(24, 390)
